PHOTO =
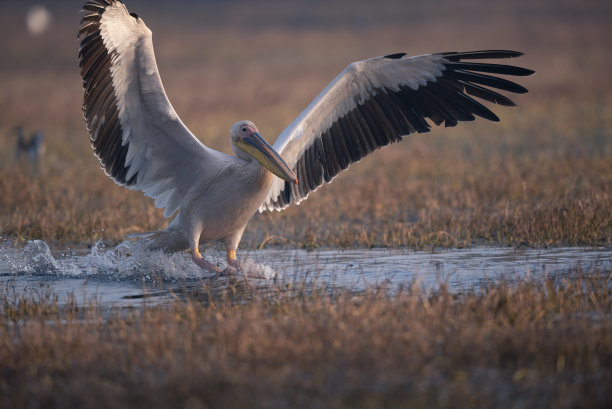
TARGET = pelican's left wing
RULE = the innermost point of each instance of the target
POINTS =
(136, 134)
(375, 102)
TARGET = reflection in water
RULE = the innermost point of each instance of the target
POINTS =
(127, 276)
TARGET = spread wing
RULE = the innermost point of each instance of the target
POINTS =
(136, 134)
(377, 101)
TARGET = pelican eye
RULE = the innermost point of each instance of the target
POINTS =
(244, 129)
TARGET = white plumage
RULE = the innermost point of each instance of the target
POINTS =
(142, 143)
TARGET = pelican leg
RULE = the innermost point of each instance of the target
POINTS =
(231, 244)
(194, 240)
(199, 260)
(232, 261)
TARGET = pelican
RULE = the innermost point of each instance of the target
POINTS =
(142, 144)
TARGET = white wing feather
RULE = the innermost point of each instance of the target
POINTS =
(163, 154)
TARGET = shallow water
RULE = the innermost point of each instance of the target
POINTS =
(127, 276)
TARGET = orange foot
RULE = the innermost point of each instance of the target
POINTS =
(199, 260)
(234, 265)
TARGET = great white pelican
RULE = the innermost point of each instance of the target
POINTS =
(142, 143)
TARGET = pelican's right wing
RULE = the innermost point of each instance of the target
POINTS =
(375, 102)
(136, 134)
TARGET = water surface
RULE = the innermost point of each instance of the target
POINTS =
(126, 276)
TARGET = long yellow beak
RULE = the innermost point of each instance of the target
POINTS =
(268, 157)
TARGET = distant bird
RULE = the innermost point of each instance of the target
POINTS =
(32, 149)
(142, 144)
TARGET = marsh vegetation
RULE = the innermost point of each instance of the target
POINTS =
(531, 344)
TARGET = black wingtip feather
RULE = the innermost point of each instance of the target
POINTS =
(481, 55)
(488, 80)
(490, 68)
(395, 56)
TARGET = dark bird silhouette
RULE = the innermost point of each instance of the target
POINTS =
(31, 149)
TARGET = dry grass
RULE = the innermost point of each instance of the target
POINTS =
(529, 344)
(541, 178)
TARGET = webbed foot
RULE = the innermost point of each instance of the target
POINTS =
(199, 260)
(233, 265)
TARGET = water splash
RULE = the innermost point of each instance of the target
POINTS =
(254, 269)
(39, 258)
(127, 261)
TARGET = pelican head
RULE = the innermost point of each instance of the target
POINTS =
(248, 143)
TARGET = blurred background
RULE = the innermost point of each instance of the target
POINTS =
(267, 59)
(222, 61)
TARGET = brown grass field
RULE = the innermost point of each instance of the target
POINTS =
(542, 177)
(533, 344)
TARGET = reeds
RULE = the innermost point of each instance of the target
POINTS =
(541, 342)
